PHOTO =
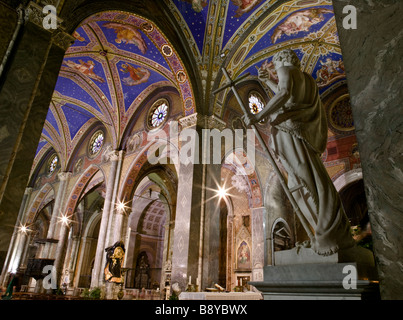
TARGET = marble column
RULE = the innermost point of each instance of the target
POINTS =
(85, 243)
(73, 258)
(61, 250)
(116, 224)
(211, 226)
(372, 56)
(13, 243)
(64, 178)
(258, 241)
(27, 86)
(97, 274)
(196, 233)
(186, 240)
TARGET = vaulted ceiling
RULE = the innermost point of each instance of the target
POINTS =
(118, 59)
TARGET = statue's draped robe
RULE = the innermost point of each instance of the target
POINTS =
(299, 137)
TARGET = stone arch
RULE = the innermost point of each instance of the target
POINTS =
(78, 190)
(280, 228)
(347, 178)
(92, 223)
(130, 181)
(41, 200)
(241, 165)
(142, 203)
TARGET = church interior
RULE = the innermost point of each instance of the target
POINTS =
(84, 105)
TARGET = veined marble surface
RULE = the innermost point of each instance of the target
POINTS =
(373, 59)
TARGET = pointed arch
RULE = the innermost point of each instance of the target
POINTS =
(238, 162)
(79, 188)
(43, 198)
(129, 182)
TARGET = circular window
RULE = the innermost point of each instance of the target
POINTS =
(256, 102)
(96, 143)
(341, 115)
(158, 114)
(52, 164)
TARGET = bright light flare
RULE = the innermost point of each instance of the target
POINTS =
(121, 206)
(222, 192)
(64, 219)
(23, 229)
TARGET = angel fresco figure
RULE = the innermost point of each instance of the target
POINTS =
(127, 34)
(298, 138)
(114, 261)
(85, 68)
(77, 36)
(136, 75)
(330, 70)
(244, 6)
(299, 21)
(197, 5)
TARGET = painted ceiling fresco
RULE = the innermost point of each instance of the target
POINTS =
(118, 58)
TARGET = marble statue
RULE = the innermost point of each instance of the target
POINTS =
(298, 138)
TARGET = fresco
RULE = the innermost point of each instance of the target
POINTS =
(243, 256)
(194, 13)
(298, 22)
(115, 58)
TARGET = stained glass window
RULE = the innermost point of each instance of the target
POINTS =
(96, 143)
(158, 114)
(256, 103)
(53, 163)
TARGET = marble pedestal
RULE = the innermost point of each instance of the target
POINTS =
(304, 275)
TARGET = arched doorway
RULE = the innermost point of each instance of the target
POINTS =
(149, 229)
(83, 244)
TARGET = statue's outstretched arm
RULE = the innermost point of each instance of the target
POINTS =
(281, 97)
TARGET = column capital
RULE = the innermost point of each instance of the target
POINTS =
(211, 122)
(28, 190)
(63, 176)
(111, 155)
(34, 14)
(203, 121)
(188, 121)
